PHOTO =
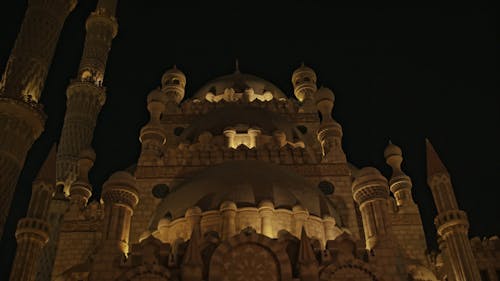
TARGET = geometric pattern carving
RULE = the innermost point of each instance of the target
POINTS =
(146, 273)
(250, 262)
(347, 272)
(250, 257)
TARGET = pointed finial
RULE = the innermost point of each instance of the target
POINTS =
(236, 66)
(175, 66)
(193, 255)
(47, 172)
(390, 142)
(306, 253)
(302, 64)
(434, 163)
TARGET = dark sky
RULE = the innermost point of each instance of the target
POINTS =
(398, 74)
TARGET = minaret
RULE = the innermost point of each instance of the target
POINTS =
(86, 94)
(451, 223)
(22, 119)
(304, 86)
(329, 131)
(33, 231)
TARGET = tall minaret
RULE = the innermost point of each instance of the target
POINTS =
(86, 94)
(21, 117)
(33, 231)
(451, 223)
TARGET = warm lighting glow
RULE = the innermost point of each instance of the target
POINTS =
(230, 95)
(248, 138)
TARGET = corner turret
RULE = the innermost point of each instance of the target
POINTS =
(173, 84)
(329, 131)
(400, 184)
(304, 86)
(153, 135)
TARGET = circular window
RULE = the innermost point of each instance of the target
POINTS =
(160, 191)
(326, 187)
(178, 131)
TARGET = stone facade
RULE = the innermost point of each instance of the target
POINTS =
(237, 182)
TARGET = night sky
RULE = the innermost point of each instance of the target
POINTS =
(398, 74)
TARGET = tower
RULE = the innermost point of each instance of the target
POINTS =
(21, 116)
(451, 222)
(33, 231)
(86, 94)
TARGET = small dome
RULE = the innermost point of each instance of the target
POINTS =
(239, 82)
(173, 76)
(244, 183)
(391, 150)
(88, 153)
(122, 176)
(324, 93)
(304, 71)
(157, 95)
(367, 171)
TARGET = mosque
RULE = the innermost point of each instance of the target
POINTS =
(239, 182)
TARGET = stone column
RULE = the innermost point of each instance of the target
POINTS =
(266, 209)
(193, 217)
(329, 226)
(228, 211)
(300, 216)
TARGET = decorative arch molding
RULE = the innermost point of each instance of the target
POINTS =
(356, 270)
(253, 255)
(146, 272)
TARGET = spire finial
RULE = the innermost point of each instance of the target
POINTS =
(302, 64)
(175, 66)
(390, 142)
(236, 66)
(47, 172)
(306, 253)
(434, 163)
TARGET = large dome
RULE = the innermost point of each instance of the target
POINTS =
(239, 82)
(246, 183)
